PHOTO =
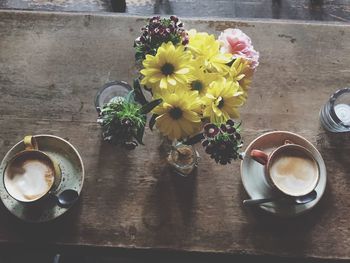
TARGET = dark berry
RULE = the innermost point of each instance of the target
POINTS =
(142, 39)
(155, 19)
(211, 130)
(174, 18)
(230, 122)
(230, 129)
(223, 127)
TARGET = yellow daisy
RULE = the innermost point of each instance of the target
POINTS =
(168, 67)
(247, 80)
(200, 80)
(222, 101)
(206, 48)
(241, 73)
(178, 115)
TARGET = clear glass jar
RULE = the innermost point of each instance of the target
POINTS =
(335, 114)
(111, 91)
(183, 159)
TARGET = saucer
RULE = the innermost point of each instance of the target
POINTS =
(253, 178)
(70, 162)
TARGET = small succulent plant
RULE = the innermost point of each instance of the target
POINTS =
(123, 120)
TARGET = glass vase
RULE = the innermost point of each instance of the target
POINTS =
(115, 90)
(182, 158)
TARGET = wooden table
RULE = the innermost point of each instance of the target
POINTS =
(51, 66)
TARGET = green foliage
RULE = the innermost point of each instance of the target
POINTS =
(152, 121)
(139, 96)
(120, 121)
(131, 111)
(123, 120)
(150, 106)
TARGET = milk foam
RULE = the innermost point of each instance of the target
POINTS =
(294, 175)
(29, 180)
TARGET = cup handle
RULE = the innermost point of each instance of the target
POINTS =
(30, 143)
(259, 156)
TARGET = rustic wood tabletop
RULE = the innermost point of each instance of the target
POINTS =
(52, 65)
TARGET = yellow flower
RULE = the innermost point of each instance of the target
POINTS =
(247, 80)
(222, 101)
(178, 114)
(200, 80)
(167, 68)
(241, 72)
(204, 47)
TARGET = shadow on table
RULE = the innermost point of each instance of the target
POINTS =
(284, 234)
(126, 256)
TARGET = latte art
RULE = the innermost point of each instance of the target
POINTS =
(29, 179)
(294, 174)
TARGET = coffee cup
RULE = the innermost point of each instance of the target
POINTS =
(290, 169)
(31, 174)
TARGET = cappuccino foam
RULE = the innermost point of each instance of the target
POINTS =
(29, 179)
(294, 174)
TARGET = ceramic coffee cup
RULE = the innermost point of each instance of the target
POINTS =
(290, 169)
(31, 175)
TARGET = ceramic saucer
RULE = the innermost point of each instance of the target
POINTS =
(252, 173)
(72, 170)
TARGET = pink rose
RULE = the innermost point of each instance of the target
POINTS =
(235, 42)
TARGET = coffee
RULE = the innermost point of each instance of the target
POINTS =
(29, 176)
(294, 172)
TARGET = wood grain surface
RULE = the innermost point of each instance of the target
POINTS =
(51, 66)
(326, 10)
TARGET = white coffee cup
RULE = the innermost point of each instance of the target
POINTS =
(290, 169)
(30, 175)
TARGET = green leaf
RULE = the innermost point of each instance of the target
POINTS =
(139, 56)
(152, 121)
(139, 97)
(139, 135)
(195, 139)
(130, 97)
(150, 106)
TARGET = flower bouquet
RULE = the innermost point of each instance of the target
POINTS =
(201, 82)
